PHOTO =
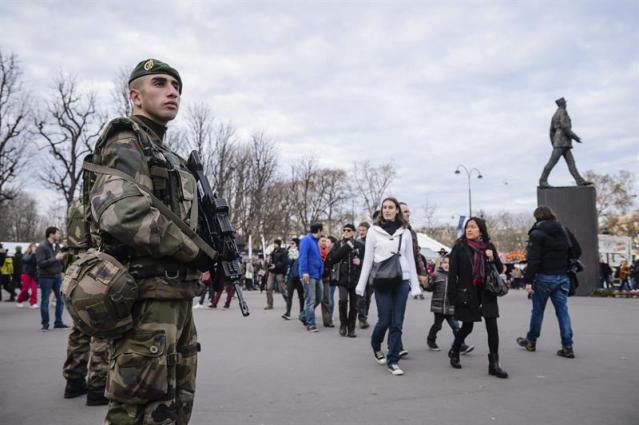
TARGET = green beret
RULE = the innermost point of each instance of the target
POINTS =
(154, 66)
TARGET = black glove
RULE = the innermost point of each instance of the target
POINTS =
(202, 262)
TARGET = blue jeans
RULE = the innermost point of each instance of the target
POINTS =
(391, 306)
(331, 299)
(555, 287)
(48, 284)
(312, 298)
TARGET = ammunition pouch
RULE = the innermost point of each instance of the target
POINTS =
(99, 294)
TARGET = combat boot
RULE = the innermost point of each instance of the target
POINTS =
(96, 398)
(494, 368)
(75, 388)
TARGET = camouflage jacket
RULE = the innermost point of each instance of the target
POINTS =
(561, 134)
(125, 223)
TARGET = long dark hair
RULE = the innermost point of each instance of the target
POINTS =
(481, 223)
(399, 217)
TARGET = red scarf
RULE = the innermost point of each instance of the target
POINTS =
(479, 271)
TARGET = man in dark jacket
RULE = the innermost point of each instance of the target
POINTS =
(49, 260)
(345, 261)
(276, 272)
(551, 246)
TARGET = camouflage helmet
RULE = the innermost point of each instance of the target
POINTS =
(99, 294)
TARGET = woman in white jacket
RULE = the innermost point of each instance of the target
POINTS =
(382, 241)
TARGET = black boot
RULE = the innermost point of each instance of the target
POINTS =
(75, 388)
(454, 358)
(96, 398)
(342, 329)
(494, 368)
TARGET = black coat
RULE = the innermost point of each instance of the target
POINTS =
(471, 302)
(548, 249)
(440, 303)
(340, 261)
(279, 258)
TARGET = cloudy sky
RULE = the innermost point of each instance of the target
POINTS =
(427, 85)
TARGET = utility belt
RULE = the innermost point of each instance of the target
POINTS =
(147, 267)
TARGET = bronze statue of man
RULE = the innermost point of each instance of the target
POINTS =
(561, 137)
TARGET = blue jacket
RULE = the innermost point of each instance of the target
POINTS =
(310, 259)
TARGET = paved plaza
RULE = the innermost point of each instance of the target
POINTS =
(264, 370)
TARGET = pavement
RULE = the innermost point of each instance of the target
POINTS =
(265, 370)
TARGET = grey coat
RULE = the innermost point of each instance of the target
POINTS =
(561, 134)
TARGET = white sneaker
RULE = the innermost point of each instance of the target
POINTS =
(19, 305)
(34, 306)
(380, 358)
(403, 353)
(196, 306)
(394, 369)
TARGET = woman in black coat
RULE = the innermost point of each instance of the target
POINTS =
(469, 262)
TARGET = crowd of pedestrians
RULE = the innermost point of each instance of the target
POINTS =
(356, 264)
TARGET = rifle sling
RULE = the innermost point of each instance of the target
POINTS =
(101, 169)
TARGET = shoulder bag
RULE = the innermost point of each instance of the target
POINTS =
(387, 274)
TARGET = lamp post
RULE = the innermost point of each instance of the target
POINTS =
(469, 174)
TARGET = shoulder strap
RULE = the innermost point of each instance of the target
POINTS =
(100, 169)
(568, 239)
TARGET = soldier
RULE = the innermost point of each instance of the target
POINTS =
(83, 349)
(561, 137)
(152, 366)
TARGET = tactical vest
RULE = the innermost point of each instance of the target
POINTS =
(167, 184)
(174, 186)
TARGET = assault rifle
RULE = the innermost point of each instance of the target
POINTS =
(216, 229)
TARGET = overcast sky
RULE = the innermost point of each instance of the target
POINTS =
(427, 85)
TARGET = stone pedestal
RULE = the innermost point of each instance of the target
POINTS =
(575, 208)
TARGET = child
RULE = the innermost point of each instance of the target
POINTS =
(442, 308)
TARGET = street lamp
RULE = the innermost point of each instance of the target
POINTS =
(469, 175)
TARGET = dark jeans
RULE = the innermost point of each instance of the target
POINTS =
(364, 303)
(555, 287)
(391, 307)
(48, 284)
(437, 325)
(347, 307)
(294, 284)
(7, 284)
(491, 329)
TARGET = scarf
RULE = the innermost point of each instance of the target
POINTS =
(390, 226)
(479, 270)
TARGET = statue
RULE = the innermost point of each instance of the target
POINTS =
(561, 137)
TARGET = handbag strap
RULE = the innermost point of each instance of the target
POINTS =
(570, 246)
(399, 245)
(101, 169)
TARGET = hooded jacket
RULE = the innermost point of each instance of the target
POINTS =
(548, 249)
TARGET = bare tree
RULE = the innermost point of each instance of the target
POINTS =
(615, 193)
(263, 166)
(370, 183)
(14, 124)
(20, 221)
(430, 209)
(69, 129)
(223, 158)
(122, 106)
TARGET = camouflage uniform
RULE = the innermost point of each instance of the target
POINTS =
(153, 366)
(82, 349)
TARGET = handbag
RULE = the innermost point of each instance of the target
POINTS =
(574, 266)
(494, 283)
(387, 274)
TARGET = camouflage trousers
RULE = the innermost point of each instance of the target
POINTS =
(153, 366)
(83, 350)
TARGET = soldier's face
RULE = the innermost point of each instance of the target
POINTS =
(157, 96)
